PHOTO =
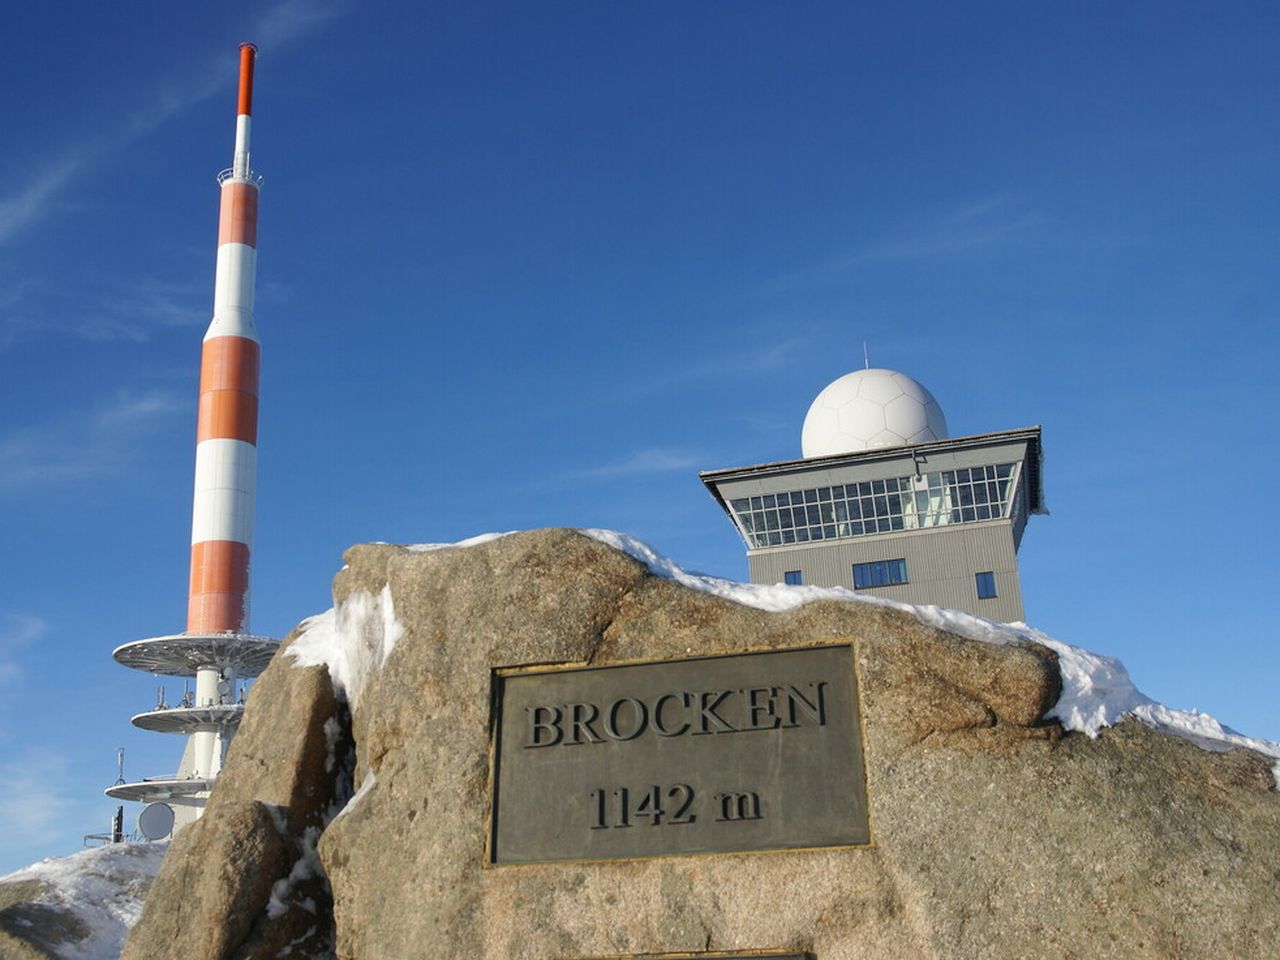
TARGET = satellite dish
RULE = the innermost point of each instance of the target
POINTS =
(156, 821)
(224, 687)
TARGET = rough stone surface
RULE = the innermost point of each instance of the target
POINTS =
(283, 774)
(215, 880)
(31, 929)
(75, 907)
(994, 834)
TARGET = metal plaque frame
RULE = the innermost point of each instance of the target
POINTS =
(754, 751)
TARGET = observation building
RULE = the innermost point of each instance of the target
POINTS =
(884, 502)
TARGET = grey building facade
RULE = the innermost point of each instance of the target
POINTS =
(938, 522)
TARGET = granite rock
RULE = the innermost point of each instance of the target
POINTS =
(994, 835)
(32, 928)
(213, 897)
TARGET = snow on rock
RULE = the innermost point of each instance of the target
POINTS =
(305, 867)
(366, 787)
(1096, 690)
(350, 639)
(469, 542)
(102, 888)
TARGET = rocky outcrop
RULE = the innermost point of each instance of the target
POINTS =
(243, 880)
(30, 927)
(993, 833)
(79, 906)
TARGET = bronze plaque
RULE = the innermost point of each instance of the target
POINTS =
(756, 751)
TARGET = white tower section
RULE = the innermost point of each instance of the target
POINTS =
(867, 409)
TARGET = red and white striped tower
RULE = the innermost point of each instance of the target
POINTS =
(227, 428)
(217, 646)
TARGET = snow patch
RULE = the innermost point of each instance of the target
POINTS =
(104, 889)
(1097, 691)
(469, 542)
(392, 629)
(775, 599)
(350, 639)
(306, 867)
(369, 782)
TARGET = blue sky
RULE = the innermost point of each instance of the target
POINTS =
(537, 264)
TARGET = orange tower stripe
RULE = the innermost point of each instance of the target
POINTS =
(216, 613)
(219, 582)
(238, 217)
(244, 102)
(229, 390)
(230, 363)
(228, 415)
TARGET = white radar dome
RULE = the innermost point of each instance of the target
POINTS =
(867, 409)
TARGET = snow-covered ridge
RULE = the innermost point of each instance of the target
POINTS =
(1097, 691)
(102, 888)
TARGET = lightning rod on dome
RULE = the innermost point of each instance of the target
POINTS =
(866, 357)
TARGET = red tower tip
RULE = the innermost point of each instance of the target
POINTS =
(248, 53)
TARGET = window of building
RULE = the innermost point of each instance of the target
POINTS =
(936, 499)
(793, 578)
(879, 573)
(986, 585)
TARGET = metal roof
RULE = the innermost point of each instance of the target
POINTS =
(188, 719)
(1031, 435)
(160, 788)
(182, 654)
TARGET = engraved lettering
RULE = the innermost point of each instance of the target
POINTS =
(738, 806)
(650, 806)
(678, 714)
(659, 724)
(581, 716)
(756, 708)
(711, 701)
(641, 719)
(816, 708)
(551, 725)
(624, 807)
(679, 816)
(644, 780)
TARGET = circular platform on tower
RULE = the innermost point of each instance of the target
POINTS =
(182, 654)
(188, 719)
(159, 788)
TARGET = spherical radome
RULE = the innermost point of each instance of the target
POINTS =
(867, 409)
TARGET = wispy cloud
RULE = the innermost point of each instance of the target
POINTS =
(763, 356)
(20, 209)
(102, 442)
(291, 20)
(973, 226)
(17, 632)
(978, 226)
(142, 306)
(129, 311)
(648, 461)
(284, 23)
(35, 791)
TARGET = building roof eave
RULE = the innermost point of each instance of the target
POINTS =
(1035, 456)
